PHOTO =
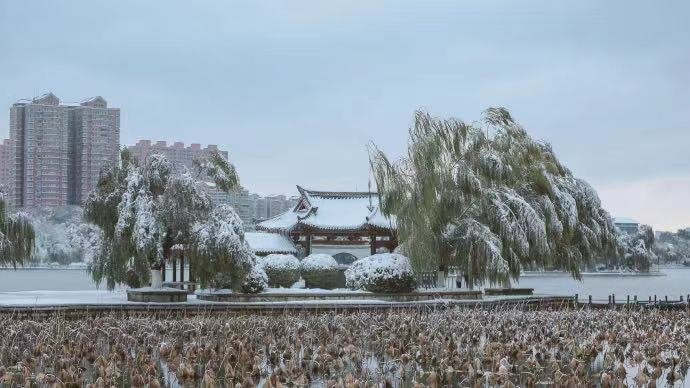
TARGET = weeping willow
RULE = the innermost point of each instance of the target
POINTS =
(17, 237)
(146, 210)
(489, 199)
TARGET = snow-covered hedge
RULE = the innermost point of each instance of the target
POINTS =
(282, 270)
(256, 281)
(320, 270)
(383, 272)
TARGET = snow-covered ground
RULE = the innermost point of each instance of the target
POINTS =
(43, 298)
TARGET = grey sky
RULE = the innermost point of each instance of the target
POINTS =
(295, 90)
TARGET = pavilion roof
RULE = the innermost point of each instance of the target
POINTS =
(331, 211)
(262, 243)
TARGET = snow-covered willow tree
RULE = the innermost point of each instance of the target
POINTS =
(144, 211)
(16, 237)
(488, 198)
(637, 248)
(218, 247)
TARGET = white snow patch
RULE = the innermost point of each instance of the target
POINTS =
(279, 262)
(319, 262)
(378, 266)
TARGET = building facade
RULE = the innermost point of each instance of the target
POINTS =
(626, 225)
(7, 170)
(179, 156)
(40, 134)
(59, 149)
(94, 144)
(272, 205)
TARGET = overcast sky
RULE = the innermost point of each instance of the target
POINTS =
(295, 90)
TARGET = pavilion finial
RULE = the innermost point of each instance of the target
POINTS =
(371, 205)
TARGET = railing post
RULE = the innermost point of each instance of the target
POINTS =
(635, 299)
(627, 300)
(665, 298)
(613, 298)
(590, 300)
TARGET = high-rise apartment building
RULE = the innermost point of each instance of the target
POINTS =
(7, 170)
(272, 205)
(94, 144)
(40, 133)
(59, 149)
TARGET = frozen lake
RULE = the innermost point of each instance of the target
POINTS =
(675, 283)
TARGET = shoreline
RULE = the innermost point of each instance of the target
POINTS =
(591, 274)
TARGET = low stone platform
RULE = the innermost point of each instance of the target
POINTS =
(186, 309)
(508, 291)
(157, 295)
(336, 296)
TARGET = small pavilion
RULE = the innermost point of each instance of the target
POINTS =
(262, 243)
(335, 218)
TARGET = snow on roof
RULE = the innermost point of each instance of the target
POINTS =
(266, 243)
(282, 222)
(624, 220)
(345, 211)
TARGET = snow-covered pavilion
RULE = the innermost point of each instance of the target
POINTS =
(335, 218)
(264, 243)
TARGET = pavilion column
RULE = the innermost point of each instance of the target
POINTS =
(163, 271)
(307, 245)
(192, 278)
(174, 266)
(372, 244)
(182, 268)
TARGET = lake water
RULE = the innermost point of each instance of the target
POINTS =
(675, 283)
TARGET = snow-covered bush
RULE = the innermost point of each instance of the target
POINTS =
(383, 272)
(255, 281)
(320, 270)
(282, 270)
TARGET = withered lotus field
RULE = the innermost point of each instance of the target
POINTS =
(399, 348)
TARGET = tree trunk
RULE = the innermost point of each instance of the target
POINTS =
(156, 278)
(506, 283)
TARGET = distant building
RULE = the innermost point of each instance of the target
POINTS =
(239, 200)
(94, 144)
(6, 170)
(59, 149)
(39, 131)
(273, 205)
(627, 225)
(178, 155)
